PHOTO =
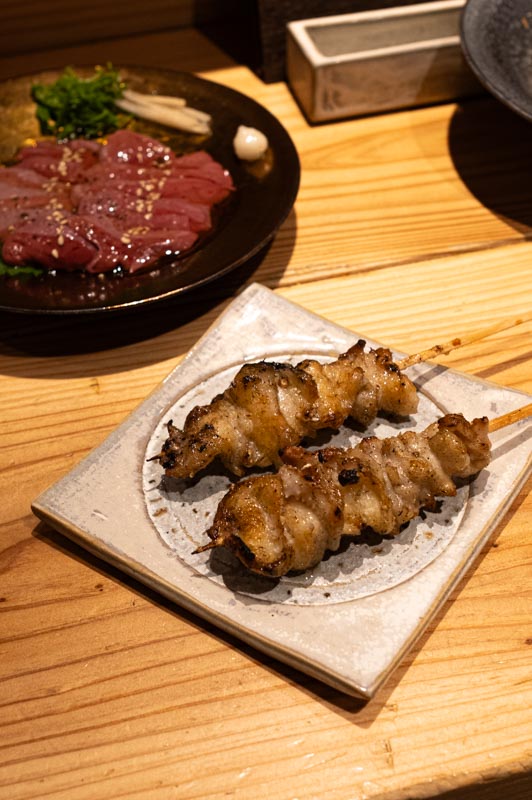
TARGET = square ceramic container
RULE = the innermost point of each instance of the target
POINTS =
(374, 61)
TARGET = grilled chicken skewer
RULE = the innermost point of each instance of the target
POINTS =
(288, 520)
(269, 406)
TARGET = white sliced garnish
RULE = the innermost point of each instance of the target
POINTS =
(162, 99)
(171, 111)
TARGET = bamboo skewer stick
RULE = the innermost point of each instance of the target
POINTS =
(510, 418)
(440, 349)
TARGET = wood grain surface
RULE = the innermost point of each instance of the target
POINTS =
(410, 228)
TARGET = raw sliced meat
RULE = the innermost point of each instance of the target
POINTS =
(127, 202)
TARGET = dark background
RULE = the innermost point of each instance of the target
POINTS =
(255, 33)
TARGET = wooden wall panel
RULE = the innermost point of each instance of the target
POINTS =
(41, 24)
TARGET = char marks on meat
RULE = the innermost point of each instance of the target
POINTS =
(269, 406)
(84, 205)
(289, 520)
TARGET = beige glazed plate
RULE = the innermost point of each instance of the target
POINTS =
(348, 621)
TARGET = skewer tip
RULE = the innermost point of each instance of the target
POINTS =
(210, 546)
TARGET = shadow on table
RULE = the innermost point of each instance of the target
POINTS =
(491, 150)
(52, 335)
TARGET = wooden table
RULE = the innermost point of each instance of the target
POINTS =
(411, 228)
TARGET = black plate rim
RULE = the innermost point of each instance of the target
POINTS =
(469, 50)
(285, 206)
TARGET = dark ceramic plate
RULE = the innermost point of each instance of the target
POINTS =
(496, 39)
(265, 193)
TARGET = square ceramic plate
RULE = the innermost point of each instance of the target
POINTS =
(348, 621)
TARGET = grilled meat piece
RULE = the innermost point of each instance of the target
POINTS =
(288, 520)
(269, 406)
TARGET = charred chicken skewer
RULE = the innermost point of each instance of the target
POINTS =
(269, 406)
(288, 520)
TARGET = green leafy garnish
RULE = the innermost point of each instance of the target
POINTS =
(12, 271)
(80, 107)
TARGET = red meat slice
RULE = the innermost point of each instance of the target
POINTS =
(129, 211)
(35, 239)
(15, 210)
(126, 203)
(65, 162)
(134, 148)
(133, 252)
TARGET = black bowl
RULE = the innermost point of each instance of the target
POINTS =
(496, 38)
